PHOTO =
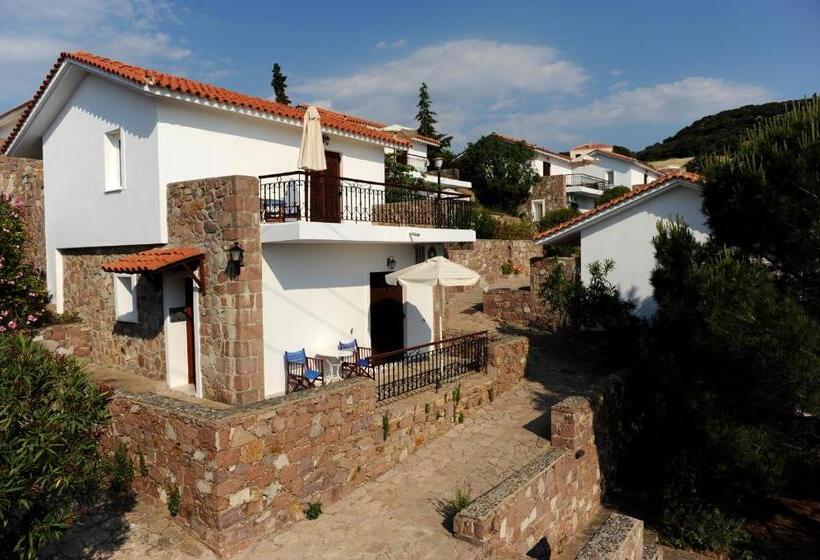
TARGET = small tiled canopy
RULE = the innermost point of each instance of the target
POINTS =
(155, 260)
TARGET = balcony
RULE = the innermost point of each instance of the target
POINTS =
(582, 180)
(298, 196)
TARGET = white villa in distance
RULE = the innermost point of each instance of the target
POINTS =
(622, 230)
(123, 148)
(587, 172)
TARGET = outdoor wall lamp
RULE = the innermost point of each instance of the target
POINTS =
(326, 139)
(391, 262)
(236, 254)
(431, 252)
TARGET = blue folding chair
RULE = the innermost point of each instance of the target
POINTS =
(360, 356)
(303, 372)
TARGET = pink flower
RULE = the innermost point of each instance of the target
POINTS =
(12, 324)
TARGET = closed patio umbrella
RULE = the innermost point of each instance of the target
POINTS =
(312, 149)
(437, 271)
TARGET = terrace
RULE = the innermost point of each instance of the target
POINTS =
(298, 196)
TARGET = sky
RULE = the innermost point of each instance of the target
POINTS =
(624, 72)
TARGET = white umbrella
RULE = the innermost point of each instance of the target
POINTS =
(312, 149)
(436, 271)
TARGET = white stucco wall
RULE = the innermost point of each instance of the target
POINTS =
(627, 239)
(78, 210)
(559, 166)
(626, 174)
(315, 295)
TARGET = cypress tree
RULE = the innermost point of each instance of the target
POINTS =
(426, 117)
(279, 85)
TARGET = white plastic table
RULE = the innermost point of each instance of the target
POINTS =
(334, 359)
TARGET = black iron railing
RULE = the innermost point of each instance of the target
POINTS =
(584, 180)
(301, 196)
(406, 370)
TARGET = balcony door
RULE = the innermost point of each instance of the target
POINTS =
(326, 191)
(386, 314)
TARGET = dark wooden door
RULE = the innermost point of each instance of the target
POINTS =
(386, 315)
(189, 330)
(326, 191)
(547, 169)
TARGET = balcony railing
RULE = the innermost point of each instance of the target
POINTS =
(584, 180)
(409, 369)
(317, 197)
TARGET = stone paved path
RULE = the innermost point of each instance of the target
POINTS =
(401, 515)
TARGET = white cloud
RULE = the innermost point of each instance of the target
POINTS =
(670, 103)
(33, 35)
(397, 44)
(466, 78)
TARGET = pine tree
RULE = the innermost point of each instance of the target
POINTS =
(426, 117)
(279, 85)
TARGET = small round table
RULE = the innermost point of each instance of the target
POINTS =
(334, 360)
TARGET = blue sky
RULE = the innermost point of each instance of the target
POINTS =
(557, 73)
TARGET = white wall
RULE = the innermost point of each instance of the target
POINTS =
(627, 239)
(315, 295)
(78, 211)
(626, 174)
(559, 166)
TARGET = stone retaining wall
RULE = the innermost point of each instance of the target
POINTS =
(247, 470)
(552, 190)
(619, 538)
(551, 497)
(22, 179)
(486, 256)
(69, 339)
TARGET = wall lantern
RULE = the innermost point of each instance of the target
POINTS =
(391, 262)
(326, 139)
(431, 252)
(236, 254)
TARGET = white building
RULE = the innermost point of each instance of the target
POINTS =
(8, 120)
(112, 137)
(622, 230)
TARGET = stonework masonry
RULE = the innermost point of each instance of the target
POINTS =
(251, 469)
(551, 497)
(89, 291)
(213, 214)
(486, 256)
(22, 179)
(551, 189)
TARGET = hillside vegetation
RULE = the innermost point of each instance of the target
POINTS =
(714, 133)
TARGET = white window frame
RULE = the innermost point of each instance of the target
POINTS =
(610, 177)
(125, 304)
(109, 167)
(542, 202)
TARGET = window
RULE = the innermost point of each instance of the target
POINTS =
(114, 168)
(610, 177)
(645, 177)
(125, 297)
(537, 210)
(547, 169)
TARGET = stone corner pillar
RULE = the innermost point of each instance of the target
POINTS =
(213, 214)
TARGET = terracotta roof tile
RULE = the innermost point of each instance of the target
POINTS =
(154, 78)
(530, 144)
(591, 146)
(153, 260)
(17, 108)
(685, 175)
(625, 158)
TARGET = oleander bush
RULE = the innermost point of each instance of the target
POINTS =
(51, 421)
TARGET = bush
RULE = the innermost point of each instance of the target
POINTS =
(555, 217)
(314, 510)
(612, 194)
(500, 171)
(487, 226)
(23, 295)
(174, 501)
(121, 469)
(51, 421)
(460, 501)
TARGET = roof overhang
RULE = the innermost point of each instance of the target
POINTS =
(156, 260)
(571, 232)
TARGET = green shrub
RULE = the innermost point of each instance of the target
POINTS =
(314, 510)
(23, 295)
(51, 420)
(174, 501)
(460, 501)
(611, 194)
(121, 469)
(507, 268)
(555, 217)
(143, 466)
(385, 426)
(488, 226)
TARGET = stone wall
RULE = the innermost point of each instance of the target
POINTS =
(551, 190)
(89, 291)
(213, 214)
(619, 538)
(525, 305)
(251, 469)
(551, 497)
(68, 339)
(22, 179)
(486, 256)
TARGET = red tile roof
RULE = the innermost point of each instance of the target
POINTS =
(685, 175)
(530, 144)
(153, 260)
(154, 78)
(626, 158)
(17, 108)
(330, 114)
(591, 146)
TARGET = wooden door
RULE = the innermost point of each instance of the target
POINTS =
(189, 330)
(547, 169)
(326, 191)
(386, 315)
